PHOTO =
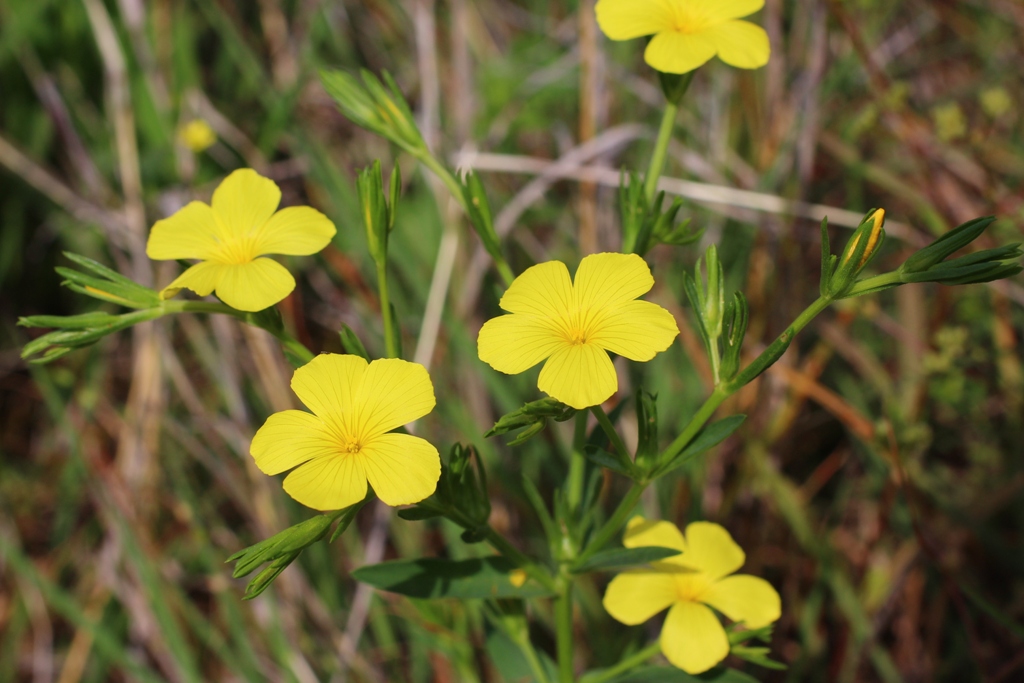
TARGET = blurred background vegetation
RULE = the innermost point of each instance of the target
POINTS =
(877, 482)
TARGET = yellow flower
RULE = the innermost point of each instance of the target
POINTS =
(574, 325)
(687, 33)
(348, 441)
(692, 637)
(197, 135)
(229, 238)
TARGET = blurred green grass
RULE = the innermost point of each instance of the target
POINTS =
(877, 482)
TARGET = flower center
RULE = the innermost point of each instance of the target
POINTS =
(689, 587)
(352, 447)
(238, 250)
(691, 20)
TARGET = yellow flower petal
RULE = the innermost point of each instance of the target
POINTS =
(244, 202)
(290, 438)
(296, 231)
(543, 290)
(740, 44)
(642, 532)
(328, 483)
(327, 385)
(255, 285)
(202, 278)
(580, 375)
(402, 469)
(637, 330)
(692, 638)
(678, 53)
(745, 598)
(393, 393)
(626, 19)
(633, 597)
(515, 343)
(606, 280)
(715, 11)
(710, 549)
(189, 233)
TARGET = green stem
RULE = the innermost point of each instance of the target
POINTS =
(391, 344)
(564, 633)
(625, 665)
(455, 187)
(697, 422)
(657, 164)
(530, 653)
(615, 522)
(445, 176)
(503, 546)
(577, 463)
(609, 430)
(297, 348)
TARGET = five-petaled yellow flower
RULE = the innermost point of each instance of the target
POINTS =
(573, 325)
(348, 441)
(687, 33)
(231, 236)
(692, 638)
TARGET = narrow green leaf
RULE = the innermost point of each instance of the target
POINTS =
(617, 558)
(351, 343)
(706, 439)
(603, 458)
(484, 578)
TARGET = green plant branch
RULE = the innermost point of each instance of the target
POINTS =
(718, 396)
(533, 659)
(172, 307)
(564, 632)
(455, 188)
(625, 665)
(577, 463)
(609, 430)
(660, 153)
(391, 345)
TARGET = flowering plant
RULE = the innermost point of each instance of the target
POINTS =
(367, 436)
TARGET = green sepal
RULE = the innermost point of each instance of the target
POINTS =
(394, 194)
(371, 105)
(674, 86)
(418, 513)
(129, 296)
(72, 334)
(397, 327)
(532, 417)
(375, 211)
(757, 655)
(828, 259)
(737, 317)
(480, 217)
(352, 344)
(647, 427)
(281, 549)
(632, 208)
(856, 255)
